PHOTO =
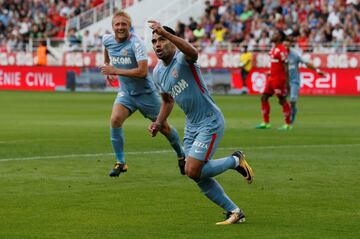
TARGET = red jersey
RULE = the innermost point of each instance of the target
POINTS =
(278, 56)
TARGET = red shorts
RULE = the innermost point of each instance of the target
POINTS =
(277, 87)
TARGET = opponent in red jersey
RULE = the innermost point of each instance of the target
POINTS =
(277, 83)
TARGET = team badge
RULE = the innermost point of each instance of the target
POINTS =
(174, 73)
(124, 52)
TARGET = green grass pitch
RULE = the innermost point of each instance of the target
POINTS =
(55, 156)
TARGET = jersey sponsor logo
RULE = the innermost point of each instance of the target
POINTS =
(120, 60)
(179, 87)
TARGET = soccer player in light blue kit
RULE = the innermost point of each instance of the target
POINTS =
(294, 59)
(179, 80)
(128, 58)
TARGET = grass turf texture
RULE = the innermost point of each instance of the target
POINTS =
(306, 184)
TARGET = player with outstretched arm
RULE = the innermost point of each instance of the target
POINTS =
(294, 75)
(179, 80)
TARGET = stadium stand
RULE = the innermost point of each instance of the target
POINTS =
(21, 20)
(318, 25)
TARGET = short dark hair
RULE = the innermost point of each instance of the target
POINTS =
(168, 29)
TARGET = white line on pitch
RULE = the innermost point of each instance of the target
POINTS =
(169, 151)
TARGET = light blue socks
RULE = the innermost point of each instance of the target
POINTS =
(213, 190)
(217, 166)
(117, 141)
(174, 140)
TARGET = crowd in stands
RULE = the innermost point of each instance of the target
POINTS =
(326, 24)
(21, 20)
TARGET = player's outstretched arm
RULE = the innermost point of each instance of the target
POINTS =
(191, 54)
(312, 67)
(165, 110)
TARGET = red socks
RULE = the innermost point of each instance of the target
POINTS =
(265, 107)
(286, 111)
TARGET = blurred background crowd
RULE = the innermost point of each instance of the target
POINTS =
(329, 24)
(317, 25)
(21, 20)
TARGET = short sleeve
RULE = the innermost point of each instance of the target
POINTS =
(105, 40)
(180, 58)
(139, 49)
(156, 81)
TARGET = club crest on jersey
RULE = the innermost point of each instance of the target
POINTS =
(174, 73)
(124, 52)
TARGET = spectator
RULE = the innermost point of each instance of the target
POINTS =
(35, 33)
(338, 33)
(73, 40)
(41, 54)
(246, 65)
(97, 41)
(87, 41)
(180, 29)
(239, 7)
(199, 32)
(12, 43)
(334, 16)
(264, 41)
(192, 23)
(218, 33)
(189, 36)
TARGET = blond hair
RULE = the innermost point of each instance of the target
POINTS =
(121, 13)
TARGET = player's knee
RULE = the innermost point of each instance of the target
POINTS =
(116, 122)
(192, 173)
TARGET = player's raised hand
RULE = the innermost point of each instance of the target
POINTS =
(156, 26)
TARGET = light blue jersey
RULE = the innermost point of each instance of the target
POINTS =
(294, 59)
(184, 82)
(294, 75)
(126, 55)
(204, 120)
